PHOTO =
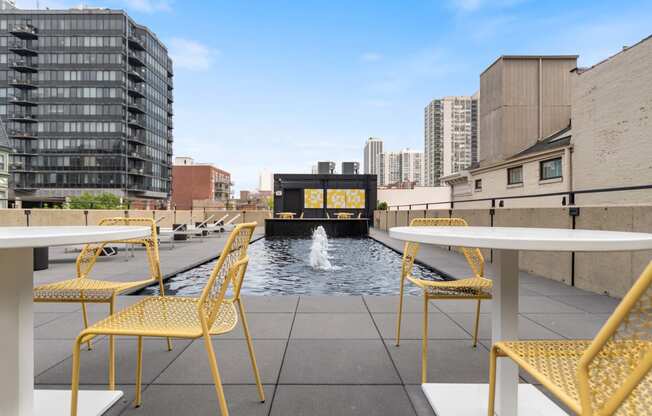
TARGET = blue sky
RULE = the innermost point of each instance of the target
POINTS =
(281, 84)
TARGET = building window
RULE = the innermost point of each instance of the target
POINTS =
(515, 175)
(550, 169)
(478, 184)
(3, 163)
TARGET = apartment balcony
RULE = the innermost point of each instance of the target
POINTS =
(24, 31)
(25, 150)
(169, 109)
(136, 42)
(23, 101)
(136, 75)
(136, 122)
(136, 90)
(23, 134)
(24, 66)
(26, 84)
(137, 155)
(20, 117)
(136, 106)
(22, 48)
(137, 171)
(136, 138)
(137, 58)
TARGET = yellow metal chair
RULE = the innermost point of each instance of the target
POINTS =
(473, 288)
(84, 289)
(609, 375)
(213, 313)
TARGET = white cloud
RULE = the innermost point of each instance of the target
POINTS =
(148, 6)
(371, 57)
(145, 6)
(43, 4)
(473, 5)
(191, 55)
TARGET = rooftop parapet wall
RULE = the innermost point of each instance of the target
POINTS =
(604, 273)
(62, 217)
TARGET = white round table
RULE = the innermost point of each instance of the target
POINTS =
(17, 394)
(465, 399)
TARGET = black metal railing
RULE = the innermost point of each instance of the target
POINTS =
(567, 198)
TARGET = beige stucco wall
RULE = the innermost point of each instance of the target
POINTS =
(612, 127)
(419, 195)
(494, 184)
(610, 273)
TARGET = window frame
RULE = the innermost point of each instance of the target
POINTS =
(509, 177)
(476, 183)
(541, 164)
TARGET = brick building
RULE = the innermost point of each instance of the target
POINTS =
(199, 185)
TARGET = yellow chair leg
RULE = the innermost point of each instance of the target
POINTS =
(85, 317)
(162, 289)
(216, 376)
(424, 341)
(492, 381)
(74, 384)
(139, 373)
(250, 346)
(477, 323)
(400, 313)
(111, 351)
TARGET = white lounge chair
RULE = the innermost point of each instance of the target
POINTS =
(229, 226)
(215, 227)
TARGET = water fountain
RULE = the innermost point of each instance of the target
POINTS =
(319, 250)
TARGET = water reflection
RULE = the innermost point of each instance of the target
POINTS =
(281, 266)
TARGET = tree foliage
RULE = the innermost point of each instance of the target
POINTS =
(381, 206)
(91, 201)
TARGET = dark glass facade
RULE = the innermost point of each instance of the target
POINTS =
(86, 96)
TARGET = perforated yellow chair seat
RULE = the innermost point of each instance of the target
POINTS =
(554, 363)
(84, 290)
(164, 316)
(472, 287)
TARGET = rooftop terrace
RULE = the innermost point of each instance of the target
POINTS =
(326, 355)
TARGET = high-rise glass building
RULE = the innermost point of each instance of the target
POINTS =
(450, 136)
(86, 95)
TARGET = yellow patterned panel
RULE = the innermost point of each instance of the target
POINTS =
(313, 198)
(336, 198)
(355, 198)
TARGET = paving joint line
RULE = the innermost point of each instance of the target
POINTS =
(389, 355)
(280, 369)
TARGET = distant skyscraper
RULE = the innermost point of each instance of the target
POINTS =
(450, 136)
(403, 166)
(265, 180)
(412, 169)
(389, 168)
(372, 150)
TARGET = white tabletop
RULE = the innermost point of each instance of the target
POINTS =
(19, 237)
(513, 238)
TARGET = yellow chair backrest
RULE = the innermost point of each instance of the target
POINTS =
(228, 272)
(89, 254)
(473, 255)
(624, 347)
